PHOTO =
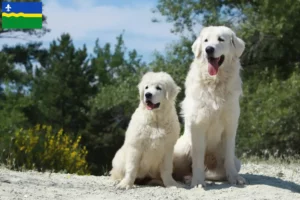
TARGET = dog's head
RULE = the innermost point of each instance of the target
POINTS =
(157, 89)
(217, 44)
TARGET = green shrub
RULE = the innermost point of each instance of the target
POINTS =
(270, 117)
(41, 149)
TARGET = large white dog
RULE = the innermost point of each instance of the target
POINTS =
(151, 135)
(211, 109)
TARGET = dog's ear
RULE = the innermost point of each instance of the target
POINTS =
(141, 90)
(141, 85)
(238, 45)
(196, 47)
(172, 91)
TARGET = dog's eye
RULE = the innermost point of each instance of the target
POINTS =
(158, 88)
(206, 40)
(146, 87)
(221, 39)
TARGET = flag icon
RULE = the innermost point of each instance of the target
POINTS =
(22, 15)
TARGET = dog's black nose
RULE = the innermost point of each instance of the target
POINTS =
(209, 50)
(148, 95)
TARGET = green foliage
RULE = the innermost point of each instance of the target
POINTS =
(186, 14)
(26, 56)
(111, 111)
(270, 116)
(63, 85)
(11, 115)
(114, 66)
(42, 149)
(7, 71)
(12, 99)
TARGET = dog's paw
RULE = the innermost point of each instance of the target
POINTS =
(170, 182)
(125, 185)
(115, 182)
(236, 179)
(198, 181)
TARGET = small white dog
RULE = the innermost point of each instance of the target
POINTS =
(211, 110)
(151, 135)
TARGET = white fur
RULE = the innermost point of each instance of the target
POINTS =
(151, 136)
(211, 111)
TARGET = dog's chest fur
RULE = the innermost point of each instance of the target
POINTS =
(156, 139)
(213, 93)
(209, 92)
(209, 95)
(155, 135)
(154, 130)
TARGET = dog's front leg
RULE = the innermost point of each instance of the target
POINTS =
(231, 126)
(131, 167)
(198, 141)
(231, 172)
(166, 169)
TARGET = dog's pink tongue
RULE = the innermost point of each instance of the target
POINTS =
(150, 106)
(213, 66)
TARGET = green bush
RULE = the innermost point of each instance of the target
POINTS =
(109, 117)
(270, 116)
(41, 149)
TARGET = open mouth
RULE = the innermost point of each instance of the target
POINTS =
(151, 106)
(214, 64)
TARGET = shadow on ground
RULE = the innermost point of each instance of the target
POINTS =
(253, 179)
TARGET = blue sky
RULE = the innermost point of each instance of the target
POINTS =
(87, 20)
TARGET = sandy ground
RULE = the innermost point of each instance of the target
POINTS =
(265, 181)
